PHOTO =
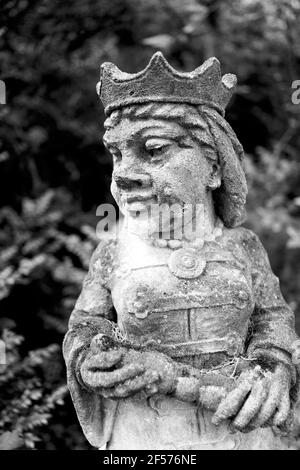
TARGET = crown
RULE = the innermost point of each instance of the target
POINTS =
(160, 82)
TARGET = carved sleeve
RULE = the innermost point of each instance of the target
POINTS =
(272, 331)
(94, 301)
(93, 312)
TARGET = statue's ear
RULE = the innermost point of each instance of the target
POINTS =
(215, 177)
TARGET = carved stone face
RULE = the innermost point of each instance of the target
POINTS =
(157, 161)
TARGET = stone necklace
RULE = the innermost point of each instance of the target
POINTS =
(188, 259)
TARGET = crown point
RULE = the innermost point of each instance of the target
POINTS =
(158, 54)
(211, 64)
(158, 58)
(110, 69)
(213, 61)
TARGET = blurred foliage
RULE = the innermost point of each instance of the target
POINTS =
(54, 170)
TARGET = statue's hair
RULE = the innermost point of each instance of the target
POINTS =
(230, 198)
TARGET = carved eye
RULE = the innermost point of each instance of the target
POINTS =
(155, 152)
(155, 148)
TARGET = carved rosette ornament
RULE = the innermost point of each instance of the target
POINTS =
(189, 262)
(179, 340)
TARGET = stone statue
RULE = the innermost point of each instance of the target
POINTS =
(179, 342)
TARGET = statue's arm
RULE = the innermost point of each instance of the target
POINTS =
(93, 311)
(266, 399)
(272, 328)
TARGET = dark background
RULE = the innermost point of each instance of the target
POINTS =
(54, 171)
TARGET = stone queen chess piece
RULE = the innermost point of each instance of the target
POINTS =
(179, 342)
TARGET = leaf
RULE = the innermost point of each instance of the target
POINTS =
(10, 440)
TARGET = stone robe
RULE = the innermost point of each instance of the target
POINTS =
(233, 309)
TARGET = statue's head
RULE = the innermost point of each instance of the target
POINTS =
(169, 140)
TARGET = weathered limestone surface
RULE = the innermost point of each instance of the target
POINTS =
(179, 342)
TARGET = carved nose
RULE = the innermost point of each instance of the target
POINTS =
(131, 181)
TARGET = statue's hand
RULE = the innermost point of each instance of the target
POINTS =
(158, 374)
(260, 399)
(105, 373)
